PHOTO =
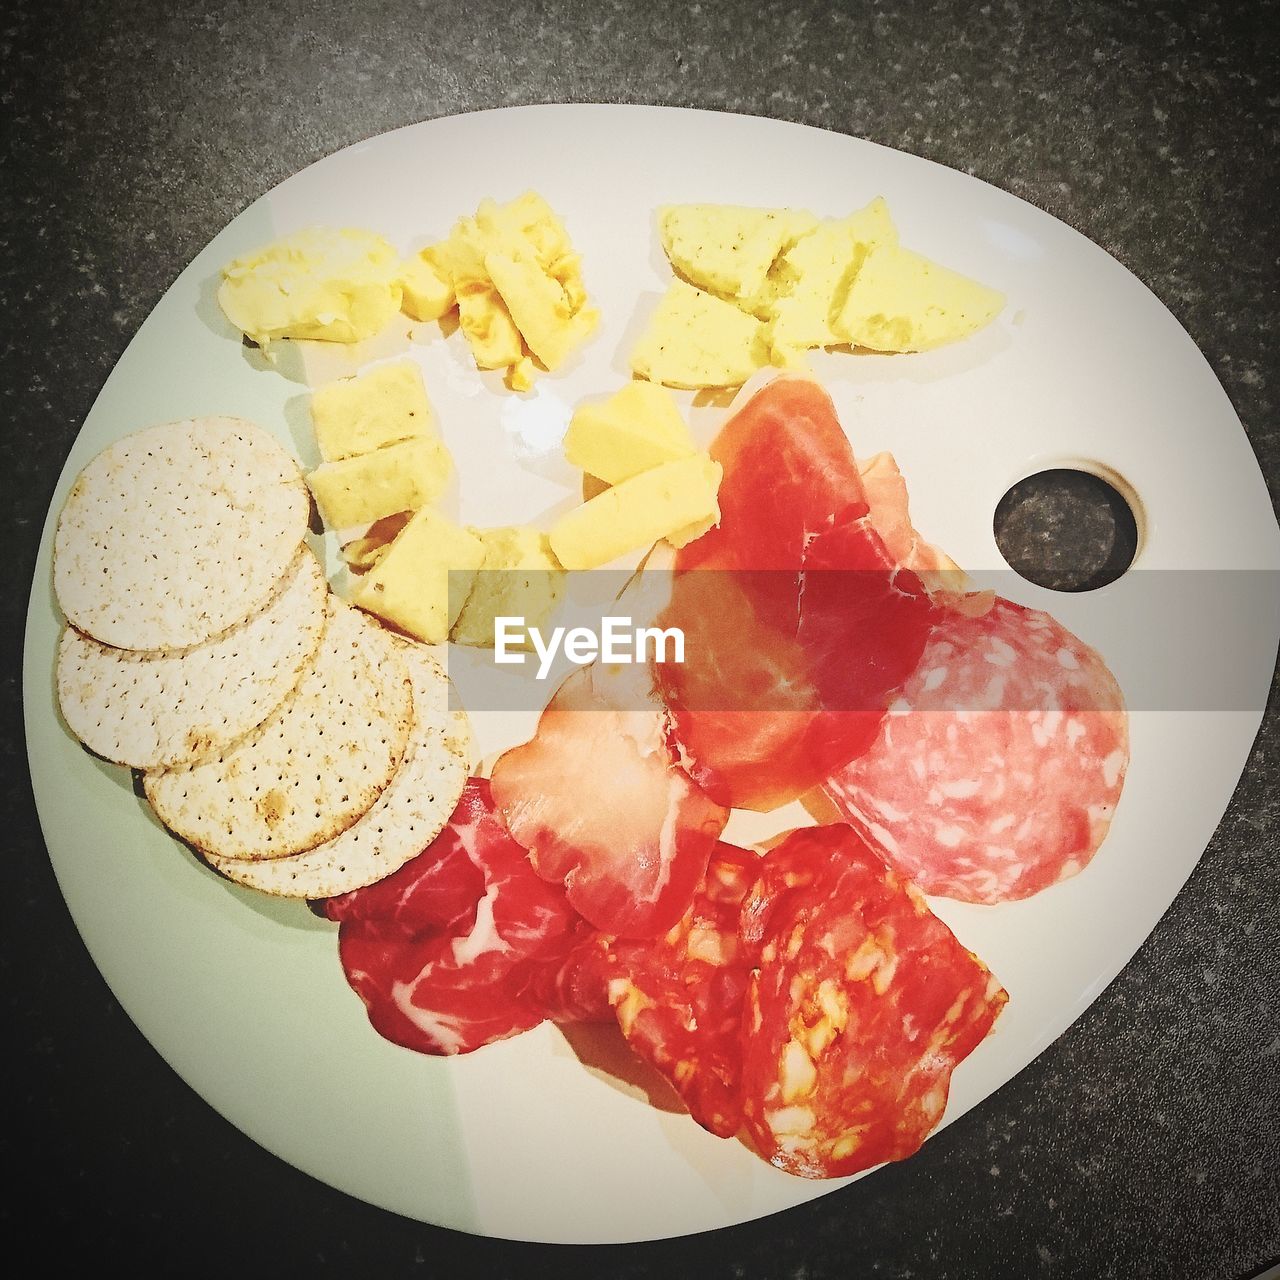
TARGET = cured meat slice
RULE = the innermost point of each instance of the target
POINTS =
(788, 469)
(436, 892)
(886, 495)
(799, 624)
(577, 989)
(946, 582)
(444, 981)
(597, 798)
(862, 1005)
(1000, 764)
(679, 1000)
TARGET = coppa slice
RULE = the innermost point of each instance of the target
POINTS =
(403, 820)
(445, 980)
(597, 798)
(174, 534)
(798, 623)
(164, 708)
(862, 1005)
(1000, 764)
(312, 767)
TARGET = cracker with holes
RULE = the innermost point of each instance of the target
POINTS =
(313, 767)
(404, 819)
(161, 708)
(178, 532)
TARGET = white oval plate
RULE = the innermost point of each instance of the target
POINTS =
(244, 996)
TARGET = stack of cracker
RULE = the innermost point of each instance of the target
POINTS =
(298, 747)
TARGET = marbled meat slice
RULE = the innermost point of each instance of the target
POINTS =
(799, 623)
(435, 893)
(1000, 764)
(437, 975)
(597, 798)
(862, 1005)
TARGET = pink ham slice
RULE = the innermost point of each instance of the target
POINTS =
(1000, 764)
(598, 799)
(446, 952)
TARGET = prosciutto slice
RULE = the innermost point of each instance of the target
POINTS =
(605, 810)
(799, 623)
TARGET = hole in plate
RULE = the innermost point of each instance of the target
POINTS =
(1067, 529)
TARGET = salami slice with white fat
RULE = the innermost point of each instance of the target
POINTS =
(862, 1004)
(999, 766)
(443, 953)
(679, 1000)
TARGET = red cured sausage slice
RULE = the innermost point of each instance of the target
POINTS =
(999, 767)
(798, 623)
(862, 1005)
(443, 982)
(597, 798)
(679, 1000)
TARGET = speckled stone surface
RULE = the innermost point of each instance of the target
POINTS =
(1144, 1142)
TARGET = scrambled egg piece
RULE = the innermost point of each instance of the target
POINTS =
(636, 428)
(695, 339)
(518, 285)
(422, 580)
(482, 314)
(426, 290)
(519, 577)
(727, 249)
(384, 406)
(336, 286)
(371, 486)
(900, 301)
(676, 501)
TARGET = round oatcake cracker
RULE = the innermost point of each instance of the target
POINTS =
(162, 708)
(313, 766)
(175, 533)
(404, 819)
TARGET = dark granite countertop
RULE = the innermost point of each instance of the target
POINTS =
(1142, 1143)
